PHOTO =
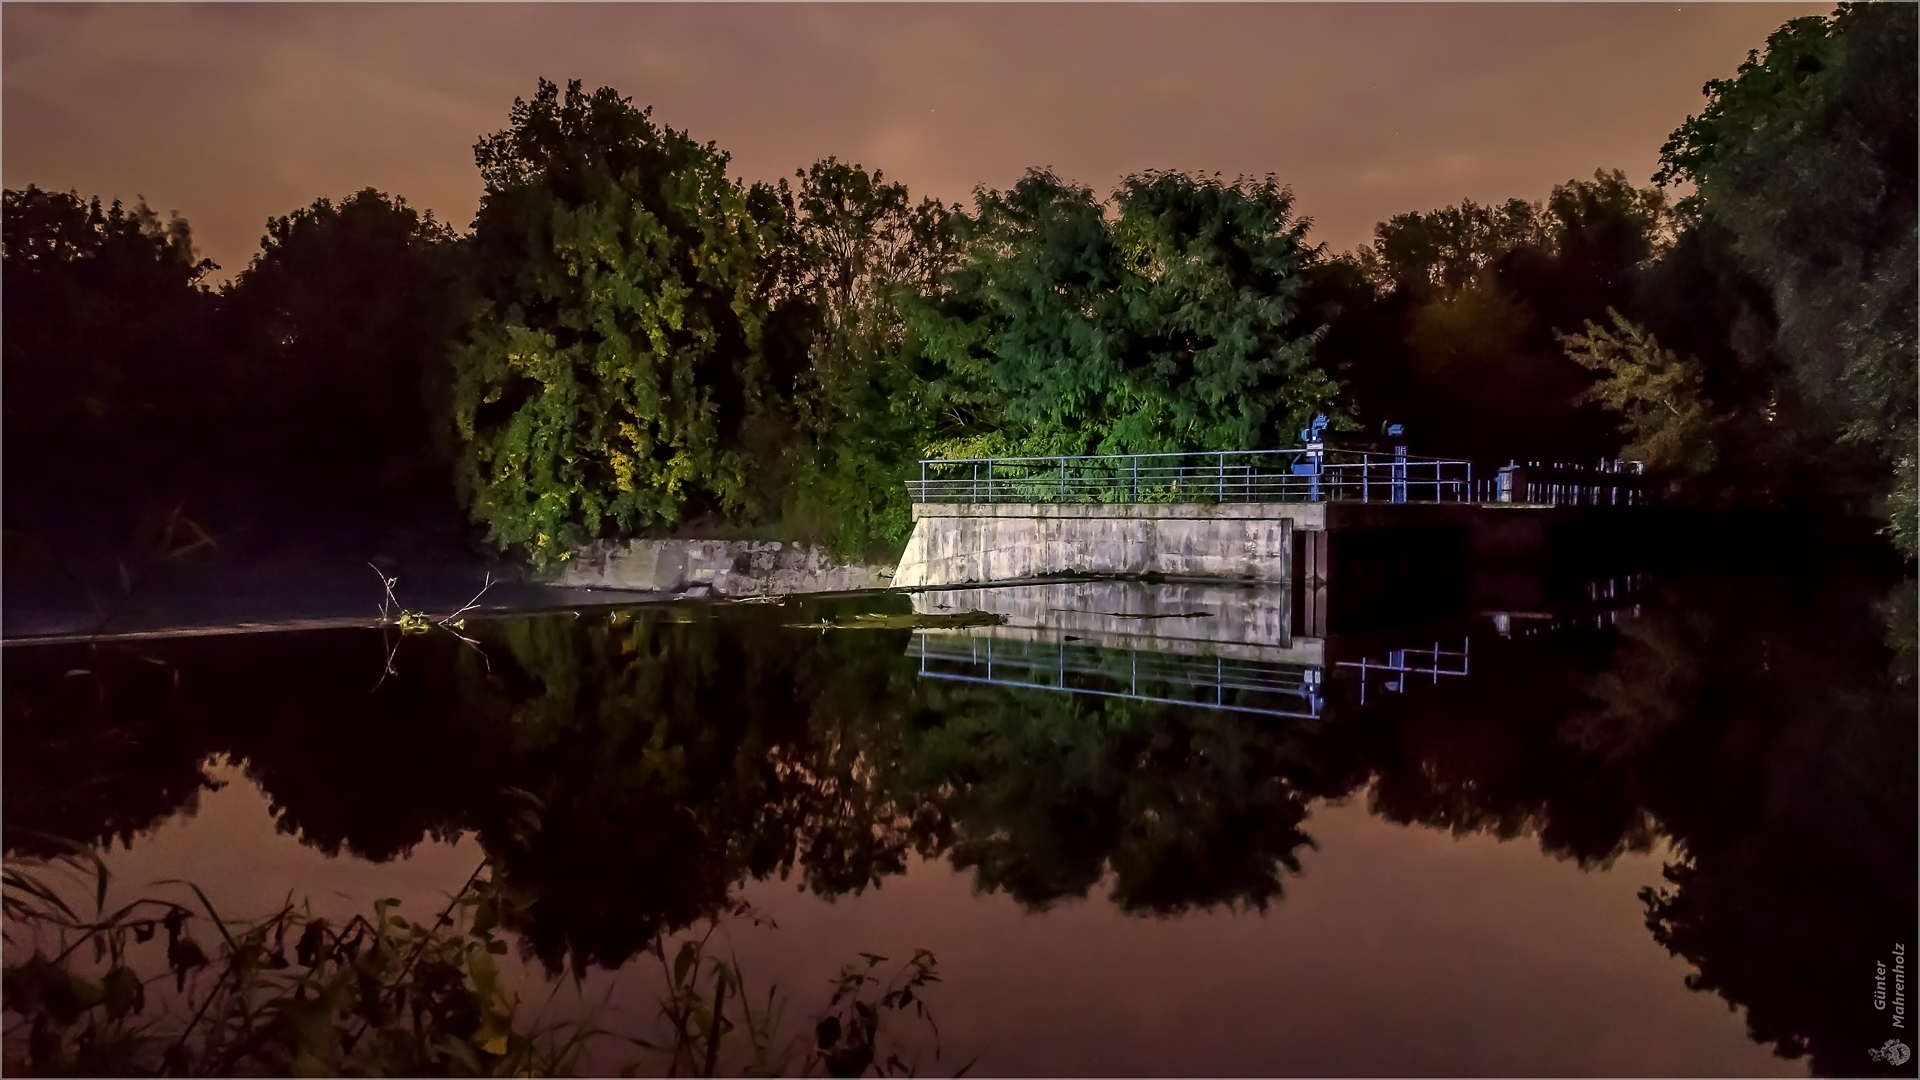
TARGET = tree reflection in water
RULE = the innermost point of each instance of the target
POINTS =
(629, 771)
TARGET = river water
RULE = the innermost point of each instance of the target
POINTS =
(1648, 823)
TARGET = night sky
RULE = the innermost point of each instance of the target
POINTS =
(229, 114)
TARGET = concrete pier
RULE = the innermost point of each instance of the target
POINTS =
(997, 543)
(961, 544)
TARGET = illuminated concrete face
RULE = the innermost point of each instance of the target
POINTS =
(958, 544)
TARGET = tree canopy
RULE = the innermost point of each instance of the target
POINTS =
(612, 377)
(630, 340)
(855, 245)
(106, 309)
(344, 319)
(1446, 322)
(1164, 319)
(1804, 159)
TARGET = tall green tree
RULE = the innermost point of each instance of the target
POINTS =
(1447, 321)
(612, 379)
(1163, 320)
(343, 323)
(1805, 160)
(1669, 425)
(1448, 248)
(855, 243)
(110, 380)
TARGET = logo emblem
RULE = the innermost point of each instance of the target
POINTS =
(1893, 1052)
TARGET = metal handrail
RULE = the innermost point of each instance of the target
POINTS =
(1297, 475)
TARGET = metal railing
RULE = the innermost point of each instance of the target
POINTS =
(1608, 482)
(1305, 475)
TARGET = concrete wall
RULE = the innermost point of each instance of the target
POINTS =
(715, 567)
(959, 544)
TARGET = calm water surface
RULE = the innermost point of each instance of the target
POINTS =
(1620, 825)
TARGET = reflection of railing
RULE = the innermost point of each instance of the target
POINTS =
(1234, 476)
(1207, 682)
(1608, 600)
(1404, 663)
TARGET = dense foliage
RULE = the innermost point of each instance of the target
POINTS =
(631, 341)
(855, 245)
(1168, 324)
(298, 397)
(356, 407)
(1804, 161)
(393, 996)
(106, 309)
(1656, 392)
(614, 378)
(1447, 321)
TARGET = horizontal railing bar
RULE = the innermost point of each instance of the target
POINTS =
(1384, 457)
(1304, 474)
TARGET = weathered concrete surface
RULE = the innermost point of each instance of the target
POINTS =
(1235, 622)
(958, 544)
(716, 567)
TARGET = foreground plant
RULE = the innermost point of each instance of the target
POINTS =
(291, 993)
(155, 987)
(713, 1022)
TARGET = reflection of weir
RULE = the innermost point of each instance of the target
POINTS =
(1392, 673)
(1248, 686)
(1237, 622)
(1207, 645)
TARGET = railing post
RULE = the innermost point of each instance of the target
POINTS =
(1222, 497)
(1063, 479)
(1136, 478)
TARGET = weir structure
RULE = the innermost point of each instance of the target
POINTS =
(1268, 516)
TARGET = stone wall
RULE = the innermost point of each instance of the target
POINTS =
(715, 567)
(958, 544)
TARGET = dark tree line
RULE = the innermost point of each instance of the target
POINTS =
(304, 390)
(631, 340)
(1752, 341)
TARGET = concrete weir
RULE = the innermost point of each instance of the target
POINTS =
(961, 543)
